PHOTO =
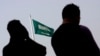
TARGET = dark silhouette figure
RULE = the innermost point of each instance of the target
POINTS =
(20, 44)
(72, 39)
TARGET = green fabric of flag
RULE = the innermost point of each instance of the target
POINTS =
(42, 29)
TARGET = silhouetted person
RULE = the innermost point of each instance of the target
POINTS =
(20, 44)
(72, 39)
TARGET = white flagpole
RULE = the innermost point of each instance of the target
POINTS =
(32, 27)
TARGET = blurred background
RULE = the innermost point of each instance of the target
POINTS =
(47, 12)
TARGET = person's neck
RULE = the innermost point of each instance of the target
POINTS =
(66, 21)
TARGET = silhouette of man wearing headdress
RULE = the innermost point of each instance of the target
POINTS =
(20, 44)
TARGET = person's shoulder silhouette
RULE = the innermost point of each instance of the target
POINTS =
(20, 44)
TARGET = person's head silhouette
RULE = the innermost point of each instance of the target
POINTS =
(17, 30)
(71, 14)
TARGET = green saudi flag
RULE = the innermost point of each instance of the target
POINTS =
(42, 29)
